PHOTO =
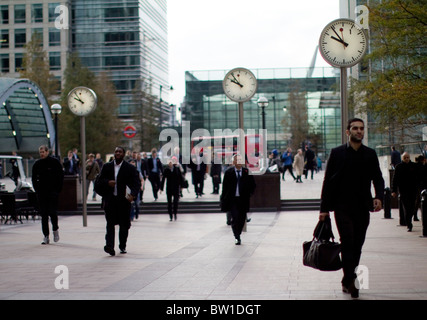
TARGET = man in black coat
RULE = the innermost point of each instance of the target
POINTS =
(118, 184)
(174, 178)
(346, 190)
(155, 170)
(406, 180)
(47, 178)
(198, 171)
(237, 187)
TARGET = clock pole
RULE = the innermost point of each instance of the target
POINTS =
(344, 104)
(83, 146)
(242, 133)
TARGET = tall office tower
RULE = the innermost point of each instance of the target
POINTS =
(127, 38)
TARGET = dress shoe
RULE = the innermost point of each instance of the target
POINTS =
(237, 242)
(110, 251)
(123, 251)
(351, 289)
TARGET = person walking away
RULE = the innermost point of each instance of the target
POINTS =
(118, 184)
(309, 161)
(215, 172)
(237, 188)
(92, 170)
(47, 178)
(405, 182)
(346, 190)
(395, 157)
(173, 175)
(155, 170)
(299, 165)
(287, 160)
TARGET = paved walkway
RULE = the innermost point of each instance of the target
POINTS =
(194, 258)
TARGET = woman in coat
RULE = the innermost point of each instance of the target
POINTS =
(299, 165)
(174, 176)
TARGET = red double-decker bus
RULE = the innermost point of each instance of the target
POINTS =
(225, 146)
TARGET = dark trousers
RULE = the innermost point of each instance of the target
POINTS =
(48, 204)
(408, 203)
(288, 167)
(117, 211)
(352, 226)
(238, 217)
(173, 203)
(155, 183)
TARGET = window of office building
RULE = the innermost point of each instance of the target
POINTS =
(4, 14)
(37, 33)
(4, 40)
(54, 37)
(55, 60)
(51, 9)
(19, 57)
(19, 13)
(20, 38)
(37, 12)
(4, 62)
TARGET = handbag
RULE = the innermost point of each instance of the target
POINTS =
(184, 183)
(321, 253)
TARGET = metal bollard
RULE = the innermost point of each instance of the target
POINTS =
(387, 203)
(424, 211)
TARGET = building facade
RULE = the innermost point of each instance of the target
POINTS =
(207, 107)
(127, 38)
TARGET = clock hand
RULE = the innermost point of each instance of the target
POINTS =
(236, 82)
(341, 41)
(78, 98)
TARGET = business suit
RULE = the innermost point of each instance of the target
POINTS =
(154, 176)
(116, 206)
(347, 191)
(237, 202)
(174, 180)
(198, 171)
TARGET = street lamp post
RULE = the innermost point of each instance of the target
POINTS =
(263, 103)
(56, 110)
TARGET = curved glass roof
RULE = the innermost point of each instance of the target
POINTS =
(25, 118)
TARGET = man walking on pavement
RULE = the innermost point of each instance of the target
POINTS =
(47, 178)
(346, 190)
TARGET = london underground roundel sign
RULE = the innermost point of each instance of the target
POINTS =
(130, 132)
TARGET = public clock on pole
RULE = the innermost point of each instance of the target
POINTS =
(82, 101)
(343, 43)
(240, 85)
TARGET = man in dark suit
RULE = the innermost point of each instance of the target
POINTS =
(198, 171)
(237, 187)
(118, 184)
(174, 178)
(346, 190)
(155, 170)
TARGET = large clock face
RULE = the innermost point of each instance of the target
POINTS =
(82, 101)
(240, 85)
(343, 43)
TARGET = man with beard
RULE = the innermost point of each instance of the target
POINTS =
(346, 190)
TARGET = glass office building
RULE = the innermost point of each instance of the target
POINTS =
(128, 38)
(207, 107)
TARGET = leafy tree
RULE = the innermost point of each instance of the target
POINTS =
(146, 117)
(35, 67)
(102, 126)
(394, 91)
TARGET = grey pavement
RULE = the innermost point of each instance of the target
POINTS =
(195, 258)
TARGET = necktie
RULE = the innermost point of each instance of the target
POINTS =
(238, 184)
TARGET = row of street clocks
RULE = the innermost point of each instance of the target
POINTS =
(82, 101)
(342, 44)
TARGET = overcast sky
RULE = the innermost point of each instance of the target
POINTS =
(224, 34)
